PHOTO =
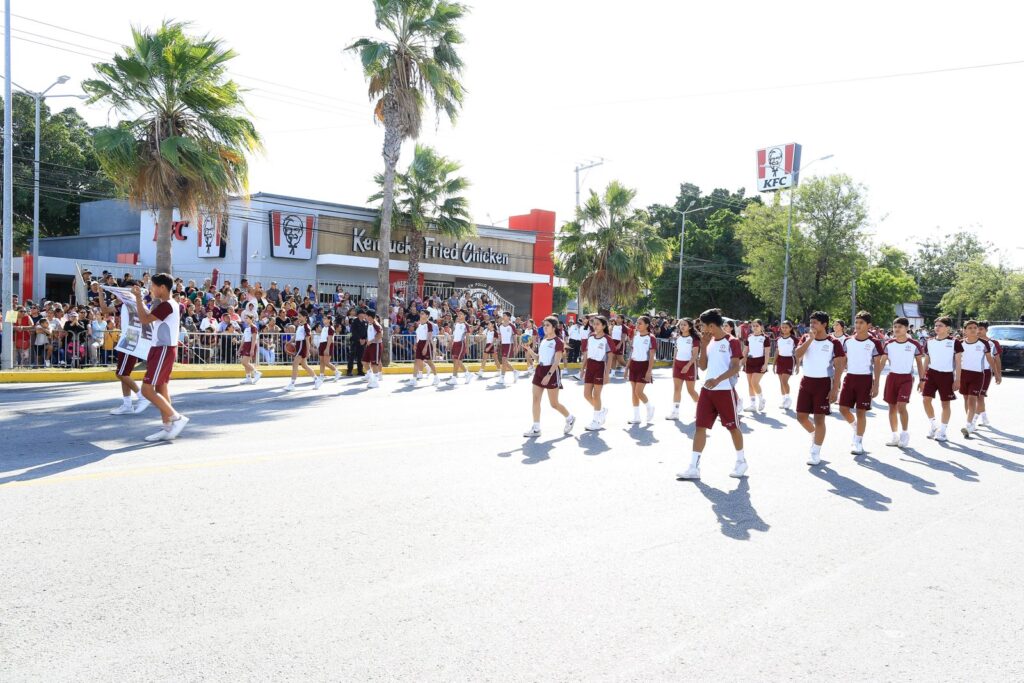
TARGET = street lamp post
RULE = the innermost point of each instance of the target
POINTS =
(7, 359)
(682, 237)
(581, 167)
(789, 232)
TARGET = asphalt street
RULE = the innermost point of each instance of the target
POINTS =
(415, 535)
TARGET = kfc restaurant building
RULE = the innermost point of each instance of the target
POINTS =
(298, 241)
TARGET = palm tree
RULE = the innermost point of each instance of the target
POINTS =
(426, 197)
(414, 63)
(185, 139)
(611, 252)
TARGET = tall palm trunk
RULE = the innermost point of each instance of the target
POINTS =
(392, 150)
(415, 253)
(164, 218)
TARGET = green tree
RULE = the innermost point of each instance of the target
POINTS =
(185, 141)
(983, 290)
(827, 246)
(415, 62)
(610, 252)
(935, 264)
(561, 296)
(881, 289)
(427, 198)
(893, 259)
(68, 170)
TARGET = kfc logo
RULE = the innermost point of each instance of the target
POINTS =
(778, 167)
(291, 235)
(211, 237)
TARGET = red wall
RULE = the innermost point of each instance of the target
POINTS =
(542, 223)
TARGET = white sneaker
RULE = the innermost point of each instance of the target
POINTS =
(469, 377)
(247, 380)
(515, 377)
(941, 436)
(904, 440)
(501, 380)
(532, 432)
(814, 459)
(122, 409)
(740, 470)
(750, 408)
(893, 442)
(337, 375)
(856, 448)
(967, 430)
(141, 406)
(569, 422)
(690, 473)
(932, 431)
(787, 403)
(372, 384)
(603, 415)
(437, 381)
(46, 363)
(452, 382)
(594, 425)
(760, 404)
(650, 413)
(176, 427)
(633, 421)
(674, 415)
(411, 381)
(480, 375)
(983, 421)
(290, 387)
(256, 376)
(159, 436)
(318, 382)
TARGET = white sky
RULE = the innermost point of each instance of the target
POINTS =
(555, 83)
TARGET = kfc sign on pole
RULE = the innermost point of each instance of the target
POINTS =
(778, 167)
(291, 235)
(210, 238)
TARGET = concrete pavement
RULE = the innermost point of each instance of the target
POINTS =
(413, 534)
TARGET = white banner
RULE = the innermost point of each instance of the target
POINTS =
(136, 338)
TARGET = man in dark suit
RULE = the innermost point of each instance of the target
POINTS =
(356, 338)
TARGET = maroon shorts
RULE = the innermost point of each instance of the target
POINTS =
(716, 404)
(301, 349)
(555, 382)
(756, 366)
(593, 372)
(986, 382)
(159, 363)
(125, 363)
(972, 383)
(856, 391)
(784, 365)
(422, 350)
(940, 383)
(813, 396)
(638, 371)
(371, 354)
(458, 350)
(898, 388)
(615, 346)
(506, 350)
(247, 349)
(324, 349)
(488, 348)
(687, 376)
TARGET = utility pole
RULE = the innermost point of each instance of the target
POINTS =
(853, 295)
(682, 238)
(582, 167)
(785, 272)
(7, 360)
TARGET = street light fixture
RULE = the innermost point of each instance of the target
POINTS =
(682, 236)
(789, 232)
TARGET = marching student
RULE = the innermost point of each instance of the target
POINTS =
(839, 330)
(618, 346)
(459, 331)
(124, 363)
(507, 335)
(976, 351)
(942, 358)
(819, 355)
(996, 350)
(785, 348)
(325, 341)
(248, 352)
(489, 352)
(756, 346)
(902, 352)
(595, 369)
(721, 356)
(424, 354)
(684, 365)
(864, 362)
(373, 345)
(166, 320)
(548, 378)
(585, 332)
(301, 344)
(641, 367)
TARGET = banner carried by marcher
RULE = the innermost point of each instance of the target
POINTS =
(135, 338)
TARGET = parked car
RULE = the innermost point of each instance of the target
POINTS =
(1011, 338)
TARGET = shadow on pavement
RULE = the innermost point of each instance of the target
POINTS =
(850, 489)
(642, 434)
(896, 473)
(1001, 444)
(761, 418)
(535, 451)
(592, 443)
(983, 456)
(736, 514)
(951, 466)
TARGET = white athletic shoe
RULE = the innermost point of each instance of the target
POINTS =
(141, 406)
(256, 376)
(569, 422)
(674, 415)
(337, 375)
(176, 427)
(760, 404)
(501, 380)
(480, 375)
(750, 408)
(814, 459)
(740, 470)
(594, 425)
(159, 436)
(967, 430)
(787, 402)
(247, 380)
(372, 384)
(893, 442)
(437, 381)
(290, 387)
(690, 473)
(469, 377)
(122, 409)
(650, 413)
(856, 448)
(983, 421)
(411, 381)
(932, 431)
(318, 382)
(941, 436)
(452, 382)
(515, 377)
(532, 432)
(603, 415)
(633, 421)
(905, 440)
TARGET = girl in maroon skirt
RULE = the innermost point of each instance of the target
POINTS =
(547, 377)
(684, 365)
(595, 369)
(757, 348)
(489, 352)
(785, 360)
(641, 367)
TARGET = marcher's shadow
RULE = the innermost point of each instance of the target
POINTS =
(535, 451)
(592, 443)
(764, 419)
(985, 457)
(643, 434)
(734, 510)
(850, 489)
(956, 469)
(1000, 443)
(896, 474)
(687, 430)
(70, 463)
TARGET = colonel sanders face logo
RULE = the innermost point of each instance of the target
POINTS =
(209, 232)
(775, 160)
(292, 226)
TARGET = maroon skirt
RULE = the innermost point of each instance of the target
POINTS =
(555, 382)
